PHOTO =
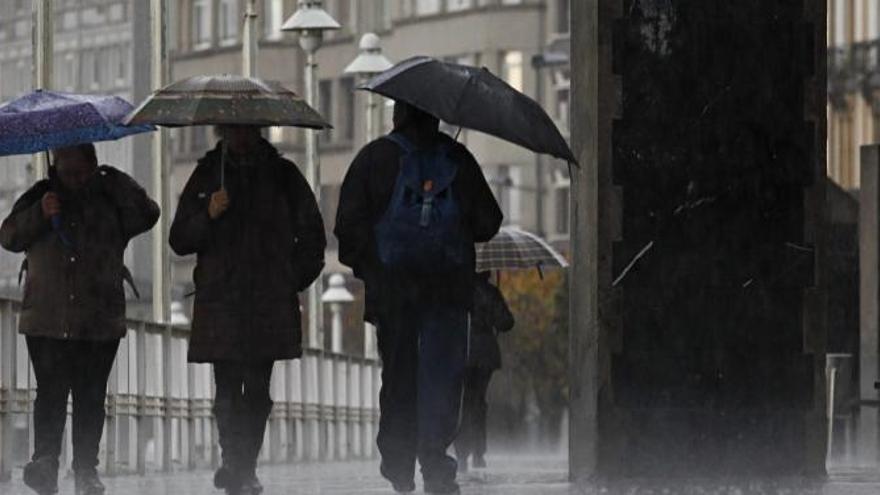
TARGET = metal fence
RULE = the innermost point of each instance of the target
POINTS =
(159, 406)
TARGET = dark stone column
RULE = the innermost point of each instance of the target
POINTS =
(699, 304)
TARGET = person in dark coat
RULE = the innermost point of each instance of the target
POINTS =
(73, 312)
(259, 240)
(422, 321)
(490, 315)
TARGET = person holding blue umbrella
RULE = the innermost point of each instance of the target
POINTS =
(74, 228)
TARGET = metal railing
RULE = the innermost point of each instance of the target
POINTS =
(159, 406)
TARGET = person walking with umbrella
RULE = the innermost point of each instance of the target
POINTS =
(259, 240)
(254, 225)
(74, 228)
(411, 207)
(510, 249)
(490, 316)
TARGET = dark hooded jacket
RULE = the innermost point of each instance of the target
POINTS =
(489, 317)
(75, 291)
(364, 198)
(253, 260)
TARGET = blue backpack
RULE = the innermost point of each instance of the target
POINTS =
(422, 230)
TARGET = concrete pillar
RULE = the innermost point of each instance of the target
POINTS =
(698, 298)
(869, 301)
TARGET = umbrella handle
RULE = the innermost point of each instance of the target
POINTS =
(223, 165)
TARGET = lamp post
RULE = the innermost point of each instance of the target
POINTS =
(369, 62)
(310, 21)
(43, 58)
(249, 41)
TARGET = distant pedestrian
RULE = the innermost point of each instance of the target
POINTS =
(74, 229)
(259, 239)
(490, 315)
(411, 207)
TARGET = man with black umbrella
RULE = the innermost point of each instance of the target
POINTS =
(412, 205)
(74, 229)
(253, 222)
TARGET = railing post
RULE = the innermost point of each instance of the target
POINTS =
(191, 420)
(168, 395)
(8, 369)
(112, 419)
(366, 410)
(141, 418)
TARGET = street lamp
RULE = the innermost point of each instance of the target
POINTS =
(367, 64)
(310, 21)
(336, 295)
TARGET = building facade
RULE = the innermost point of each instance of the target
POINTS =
(853, 85)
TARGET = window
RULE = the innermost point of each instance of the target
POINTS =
(273, 15)
(228, 27)
(562, 202)
(87, 70)
(122, 66)
(563, 15)
(457, 5)
(506, 184)
(201, 24)
(383, 15)
(343, 14)
(69, 21)
(347, 106)
(117, 12)
(512, 69)
(427, 7)
(511, 2)
(325, 100)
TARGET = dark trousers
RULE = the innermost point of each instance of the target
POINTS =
(80, 368)
(423, 352)
(241, 406)
(472, 435)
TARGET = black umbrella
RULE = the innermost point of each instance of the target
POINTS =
(472, 98)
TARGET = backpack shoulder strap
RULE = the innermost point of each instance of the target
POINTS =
(400, 140)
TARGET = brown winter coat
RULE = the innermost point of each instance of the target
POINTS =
(253, 260)
(77, 292)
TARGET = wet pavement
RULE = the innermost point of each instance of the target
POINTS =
(505, 475)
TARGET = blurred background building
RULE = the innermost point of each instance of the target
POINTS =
(102, 46)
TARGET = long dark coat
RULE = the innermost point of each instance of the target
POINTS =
(76, 292)
(253, 260)
(490, 315)
(365, 195)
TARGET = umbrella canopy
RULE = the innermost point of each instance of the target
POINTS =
(515, 249)
(45, 120)
(226, 99)
(472, 98)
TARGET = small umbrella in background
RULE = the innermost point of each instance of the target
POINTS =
(226, 100)
(44, 120)
(472, 98)
(516, 249)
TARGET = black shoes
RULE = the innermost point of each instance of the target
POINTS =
(442, 487)
(401, 485)
(236, 483)
(251, 485)
(88, 483)
(41, 476)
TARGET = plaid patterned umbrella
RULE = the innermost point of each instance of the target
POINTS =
(515, 249)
